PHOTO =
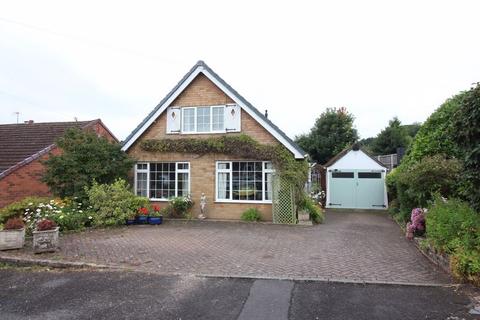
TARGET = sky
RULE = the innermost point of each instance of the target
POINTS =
(61, 60)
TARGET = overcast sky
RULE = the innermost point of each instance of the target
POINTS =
(379, 59)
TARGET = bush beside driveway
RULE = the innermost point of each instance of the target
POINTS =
(354, 246)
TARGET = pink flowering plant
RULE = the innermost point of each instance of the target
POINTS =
(417, 224)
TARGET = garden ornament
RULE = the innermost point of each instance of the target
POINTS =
(203, 207)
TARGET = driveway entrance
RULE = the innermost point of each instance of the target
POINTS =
(365, 246)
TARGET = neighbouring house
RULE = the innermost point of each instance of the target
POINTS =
(356, 180)
(23, 146)
(200, 106)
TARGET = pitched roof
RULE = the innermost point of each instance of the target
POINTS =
(202, 67)
(22, 143)
(342, 153)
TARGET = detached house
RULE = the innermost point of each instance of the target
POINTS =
(202, 105)
(23, 146)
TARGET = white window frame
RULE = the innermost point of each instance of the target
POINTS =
(195, 120)
(230, 200)
(177, 171)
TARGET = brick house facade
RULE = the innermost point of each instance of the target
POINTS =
(203, 105)
(24, 146)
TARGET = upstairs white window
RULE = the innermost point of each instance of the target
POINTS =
(210, 119)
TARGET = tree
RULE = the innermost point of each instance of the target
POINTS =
(85, 158)
(436, 135)
(392, 137)
(332, 132)
(466, 131)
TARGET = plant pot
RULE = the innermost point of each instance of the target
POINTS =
(155, 220)
(142, 219)
(45, 241)
(12, 239)
(129, 222)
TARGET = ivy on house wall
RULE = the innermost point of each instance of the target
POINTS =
(243, 146)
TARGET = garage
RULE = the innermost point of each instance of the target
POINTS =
(356, 180)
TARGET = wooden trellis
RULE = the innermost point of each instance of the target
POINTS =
(283, 201)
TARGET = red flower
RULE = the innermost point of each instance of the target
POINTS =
(156, 208)
(143, 211)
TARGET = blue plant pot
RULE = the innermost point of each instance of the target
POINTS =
(129, 222)
(141, 219)
(155, 220)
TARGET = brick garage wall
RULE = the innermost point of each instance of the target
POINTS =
(202, 92)
(26, 180)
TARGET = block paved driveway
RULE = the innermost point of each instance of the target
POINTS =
(350, 246)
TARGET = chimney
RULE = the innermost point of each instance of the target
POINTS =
(28, 122)
(266, 113)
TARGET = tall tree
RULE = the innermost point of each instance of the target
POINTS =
(392, 137)
(466, 125)
(332, 132)
(85, 157)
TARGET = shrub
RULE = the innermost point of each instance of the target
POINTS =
(85, 157)
(46, 225)
(391, 181)
(465, 264)
(417, 184)
(313, 209)
(180, 206)
(452, 224)
(467, 136)
(113, 203)
(417, 222)
(17, 209)
(251, 214)
(14, 224)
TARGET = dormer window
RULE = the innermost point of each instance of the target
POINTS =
(203, 119)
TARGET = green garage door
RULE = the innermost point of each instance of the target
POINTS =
(356, 189)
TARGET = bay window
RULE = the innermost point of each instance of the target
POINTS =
(244, 181)
(162, 180)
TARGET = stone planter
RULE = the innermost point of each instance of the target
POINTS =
(45, 241)
(12, 239)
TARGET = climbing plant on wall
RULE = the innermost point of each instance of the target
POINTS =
(287, 167)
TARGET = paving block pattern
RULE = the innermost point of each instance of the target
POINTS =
(354, 246)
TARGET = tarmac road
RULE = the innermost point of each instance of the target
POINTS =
(88, 294)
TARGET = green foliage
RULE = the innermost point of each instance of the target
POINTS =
(241, 146)
(113, 203)
(417, 184)
(313, 209)
(18, 208)
(467, 138)
(85, 157)
(436, 135)
(454, 227)
(180, 206)
(392, 137)
(332, 132)
(452, 224)
(391, 181)
(251, 214)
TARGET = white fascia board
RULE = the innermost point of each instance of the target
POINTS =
(267, 126)
(182, 87)
(162, 108)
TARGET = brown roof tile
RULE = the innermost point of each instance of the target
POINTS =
(20, 141)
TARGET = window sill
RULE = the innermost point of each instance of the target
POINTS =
(243, 201)
(158, 200)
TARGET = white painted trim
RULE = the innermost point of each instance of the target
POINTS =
(244, 201)
(162, 108)
(231, 182)
(182, 87)
(177, 171)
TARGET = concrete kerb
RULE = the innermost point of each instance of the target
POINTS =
(86, 265)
